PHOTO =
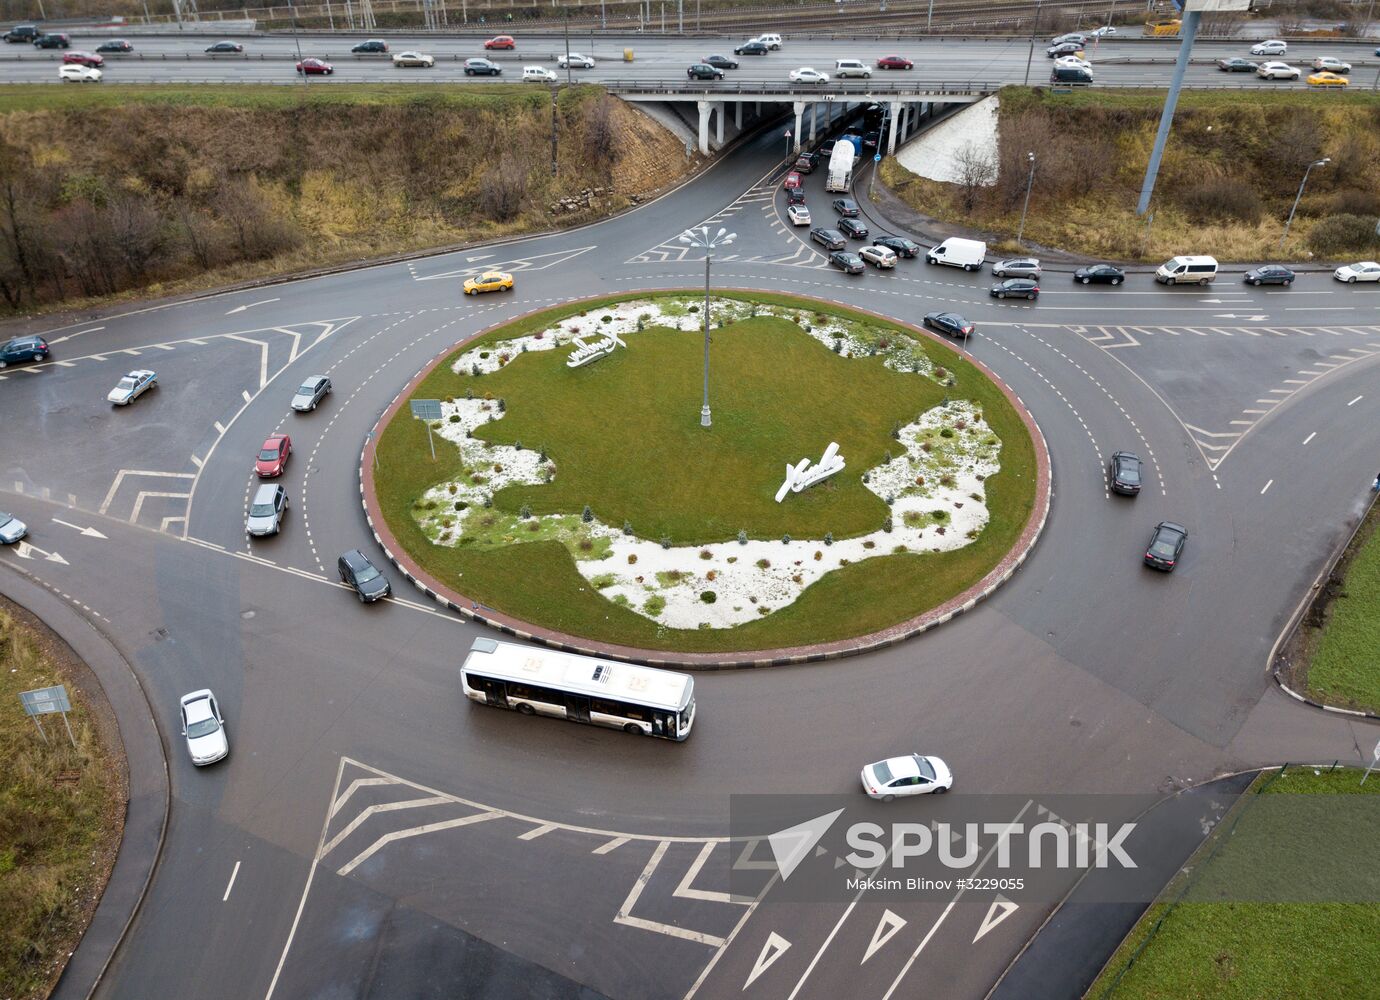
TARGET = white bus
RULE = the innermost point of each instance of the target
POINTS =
(536, 681)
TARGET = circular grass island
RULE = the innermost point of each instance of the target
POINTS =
(584, 504)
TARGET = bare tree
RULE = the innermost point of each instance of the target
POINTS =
(976, 169)
(140, 236)
(601, 131)
(502, 190)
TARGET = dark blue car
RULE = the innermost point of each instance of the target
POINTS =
(23, 349)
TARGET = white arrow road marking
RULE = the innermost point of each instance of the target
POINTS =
(516, 264)
(26, 551)
(482, 256)
(774, 948)
(251, 305)
(93, 329)
(88, 532)
(886, 930)
(1000, 909)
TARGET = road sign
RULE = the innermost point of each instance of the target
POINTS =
(426, 409)
(876, 157)
(788, 133)
(47, 701)
(1375, 759)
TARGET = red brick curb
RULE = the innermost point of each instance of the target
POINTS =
(952, 608)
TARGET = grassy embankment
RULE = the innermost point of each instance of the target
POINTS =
(688, 486)
(1263, 950)
(1230, 173)
(119, 191)
(61, 813)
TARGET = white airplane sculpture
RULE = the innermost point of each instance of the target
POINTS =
(585, 353)
(800, 476)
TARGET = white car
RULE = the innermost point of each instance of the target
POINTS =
(770, 41)
(878, 256)
(11, 529)
(419, 59)
(844, 68)
(807, 75)
(575, 61)
(1366, 270)
(798, 214)
(1332, 64)
(1073, 61)
(132, 386)
(538, 74)
(204, 728)
(909, 775)
(1103, 32)
(77, 73)
(1277, 71)
(1273, 47)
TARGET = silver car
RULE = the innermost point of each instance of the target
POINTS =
(1017, 267)
(266, 510)
(11, 528)
(311, 392)
(204, 728)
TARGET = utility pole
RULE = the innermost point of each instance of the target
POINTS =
(1299, 197)
(568, 78)
(1029, 181)
(292, 10)
(554, 89)
(1034, 27)
(1189, 28)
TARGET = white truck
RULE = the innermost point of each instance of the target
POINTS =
(840, 167)
(956, 252)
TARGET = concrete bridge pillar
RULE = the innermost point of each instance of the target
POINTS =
(704, 108)
(897, 108)
(719, 123)
(757, 109)
(814, 121)
(738, 114)
(799, 114)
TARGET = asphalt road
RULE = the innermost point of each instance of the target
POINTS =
(374, 835)
(996, 62)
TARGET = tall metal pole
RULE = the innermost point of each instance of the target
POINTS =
(568, 79)
(704, 410)
(929, 16)
(553, 128)
(292, 8)
(1152, 169)
(1028, 182)
(1299, 197)
(1034, 27)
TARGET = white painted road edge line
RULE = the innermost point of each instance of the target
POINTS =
(231, 884)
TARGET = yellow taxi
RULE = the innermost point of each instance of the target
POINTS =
(1327, 80)
(501, 281)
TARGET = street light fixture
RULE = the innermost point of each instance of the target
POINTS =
(1028, 182)
(1299, 197)
(699, 237)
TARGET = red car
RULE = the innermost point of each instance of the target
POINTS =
(315, 66)
(273, 456)
(501, 42)
(84, 58)
(792, 181)
(894, 62)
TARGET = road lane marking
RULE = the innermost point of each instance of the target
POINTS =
(1266, 487)
(1310, 437)
(612, 845)
(625, 917)
(1356, 400)
(231, 884)
(364, 814)
(685, 890)
(415, 831)
(536, 832)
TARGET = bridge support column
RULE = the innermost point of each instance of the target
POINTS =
(896, 110)
(814, 121)
(799, 114)
(704, 109)
(719, 110)
(738, 115)
(757, 109)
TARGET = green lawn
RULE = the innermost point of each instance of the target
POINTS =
(1344, 668)
(1257, 950)
(626, 439)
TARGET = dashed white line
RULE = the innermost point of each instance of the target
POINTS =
(1356, 400)
(1266, 487)
(1310, 437)
(231, 884)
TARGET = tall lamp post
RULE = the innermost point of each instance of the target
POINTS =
(699, 237)
(1299, 197)
(1029, 181)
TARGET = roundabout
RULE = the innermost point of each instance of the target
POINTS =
(573, 497)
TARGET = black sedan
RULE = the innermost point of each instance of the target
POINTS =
(850, 263)
(1166, 545)
(1123, 472)
(224, 47)
(1270, 274)
(704, 71)
(795, 196)
(901, 246)
(853, 228)
(1064, 49)
(721, 62)
(1236, 65)
(830, 239)
(750, 49)
(1104, 273)
(1017, 288)
(951, 324)
(374, 45)
(846, 207)
(115, 45)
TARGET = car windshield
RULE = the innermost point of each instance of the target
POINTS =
(126, 383)
(882, 772)
(203, 728)
(261, 510)
(366, 573)
(268, 454)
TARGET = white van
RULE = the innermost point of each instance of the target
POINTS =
(770, 41)
(851, 67)
(537, 74)
(1187, 270)
(955, 252)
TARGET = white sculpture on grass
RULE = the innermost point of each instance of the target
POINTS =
(585, 353)
(800, 476)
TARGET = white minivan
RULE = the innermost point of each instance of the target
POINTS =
(1187, 270)
(956, 252)
(851, 67)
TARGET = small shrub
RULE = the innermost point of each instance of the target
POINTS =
(946, 432)
(586, 544)
(886, 457)
(632, 558)
(742, 537)
(947, 480)
(762, 609)
(627, 528)
(525, 513)
(899, 549)
(763, 564)
(1339, 234)
(606, 318)
(654, 605)
(541, 455)
(455, 418)
(927, 447)
(919, 480)
(587, 515)
(498, 467)
(711, 576)
(1221, 198)
(469, 393)
(708, 596)
(460, 505)
(940, 515)
(665, 542)
(484, 355)
(451, 488)
(693, 309)
(534, 525)
(706, 554)
(785, 539)
(503, 408)
(887, 525)
(732, 559)
(622, 600)
(797, 578)
(828, 538)
(869, 544)
(818, 555)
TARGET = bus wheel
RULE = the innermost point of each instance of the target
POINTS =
(526, 709)
(633, 728)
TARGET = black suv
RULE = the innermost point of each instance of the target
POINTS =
(57, 40)
(1123, 473)
(22, 33)
(704, 71)
(372, 45)
(360, 575)
(830, 239)
(849, 263)
(846, 207)
(899, 245)
(721, 62)
(23, 349)
(853, 228)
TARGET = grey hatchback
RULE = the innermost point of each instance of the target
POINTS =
(266, 510)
